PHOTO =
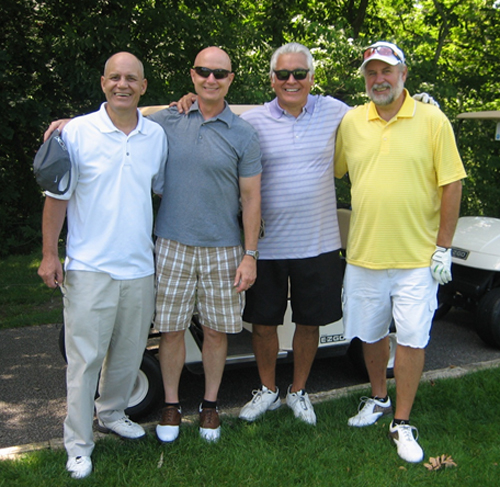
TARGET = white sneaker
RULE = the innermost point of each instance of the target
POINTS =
(408, 448)
(122, 427)
(369, 411)
(301, 405)
(79, 467)
(263, 400)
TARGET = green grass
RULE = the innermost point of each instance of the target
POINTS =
(24, 298)
(457, 417)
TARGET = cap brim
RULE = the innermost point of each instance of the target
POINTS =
(378, 57)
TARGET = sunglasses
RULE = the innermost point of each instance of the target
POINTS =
(382, 50)
(206, 72)
(284, 74)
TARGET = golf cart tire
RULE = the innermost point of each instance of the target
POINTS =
(148, 387)
(62, 344)
(488, 318)
(355, 353)
(147, 393)
(443, 307)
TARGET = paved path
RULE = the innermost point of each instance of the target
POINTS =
(32, 377)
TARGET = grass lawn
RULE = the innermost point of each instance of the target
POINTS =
(24, 299)
(457, 417)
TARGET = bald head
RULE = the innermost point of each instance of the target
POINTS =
(125, 58)
(213, 57)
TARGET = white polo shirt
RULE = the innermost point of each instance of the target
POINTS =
(110, 213)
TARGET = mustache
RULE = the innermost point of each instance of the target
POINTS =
(381, 85)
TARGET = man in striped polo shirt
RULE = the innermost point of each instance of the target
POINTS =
(406, 174)
(301, 245)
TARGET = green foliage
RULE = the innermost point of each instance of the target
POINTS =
(24, 299)
(52, 54)
(481, 155)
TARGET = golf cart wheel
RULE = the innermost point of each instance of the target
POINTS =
(443, 307)
(62, 344)
(488, 318)
(355, 353)
(148, 388)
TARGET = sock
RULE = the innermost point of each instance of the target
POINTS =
(400, 421)
(381, 399)
(174, 404)
(208, 404)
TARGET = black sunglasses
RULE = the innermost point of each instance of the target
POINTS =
(206, 72)
(284, 74)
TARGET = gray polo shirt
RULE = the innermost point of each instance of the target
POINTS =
(206, 158)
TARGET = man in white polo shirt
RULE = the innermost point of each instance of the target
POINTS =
(117, 157)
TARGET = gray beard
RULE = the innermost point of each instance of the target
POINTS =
(384, 100)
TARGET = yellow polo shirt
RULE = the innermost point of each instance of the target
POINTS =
(397, 169)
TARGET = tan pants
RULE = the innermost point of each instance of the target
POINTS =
(107, 325)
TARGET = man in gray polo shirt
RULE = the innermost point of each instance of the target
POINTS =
(214, 162)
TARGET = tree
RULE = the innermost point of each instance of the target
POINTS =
(52, 54)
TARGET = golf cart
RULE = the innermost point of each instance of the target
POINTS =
(148, 390)
(476, 264)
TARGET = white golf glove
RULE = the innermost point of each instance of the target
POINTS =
(425, 98)
(441, 265)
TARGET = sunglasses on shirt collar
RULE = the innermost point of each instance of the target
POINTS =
(284, 74)
(206, 72)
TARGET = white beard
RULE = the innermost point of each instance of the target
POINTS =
(384, 99)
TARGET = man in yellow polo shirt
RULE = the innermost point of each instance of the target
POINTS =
(406, 174)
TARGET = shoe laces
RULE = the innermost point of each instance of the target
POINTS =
(170, 414)
(257, 395)
(406, 431)
(302, 398)
(362, 402)
(209, 418)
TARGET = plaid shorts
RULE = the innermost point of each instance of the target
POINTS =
(197, 279)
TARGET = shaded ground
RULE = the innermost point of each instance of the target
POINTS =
(32, 376)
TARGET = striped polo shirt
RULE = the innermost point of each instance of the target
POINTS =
(298, 192)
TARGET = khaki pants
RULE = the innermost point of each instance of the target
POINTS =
(107, 324)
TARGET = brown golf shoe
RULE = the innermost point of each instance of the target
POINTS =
(209, 424)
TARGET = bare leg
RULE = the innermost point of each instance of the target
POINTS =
(214, 354)
(172, 353)
(407, 371)
(265, 347)
(305, 345)
(376, 357)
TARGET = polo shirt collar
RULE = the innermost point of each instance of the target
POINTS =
(278, 112)
(105, 124)
(225, 116)
(407, 110)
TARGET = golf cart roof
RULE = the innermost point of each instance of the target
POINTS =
(492, 115)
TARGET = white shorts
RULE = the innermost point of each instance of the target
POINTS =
(372, 298)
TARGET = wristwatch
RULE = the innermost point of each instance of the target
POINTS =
(252, 253)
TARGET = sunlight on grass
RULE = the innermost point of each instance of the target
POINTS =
(24, 298)
(456, 417)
